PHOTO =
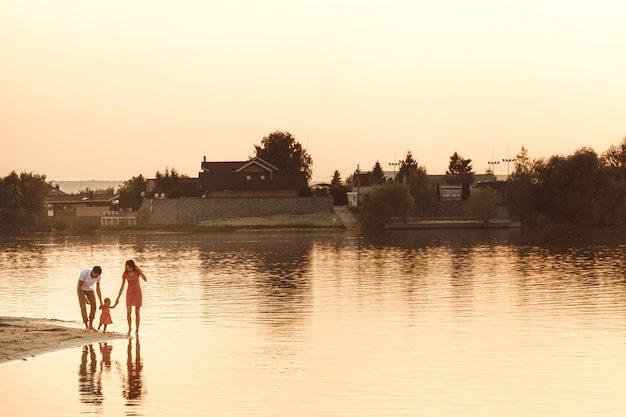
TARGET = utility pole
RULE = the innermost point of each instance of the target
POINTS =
(508, 161)
(394, 165)
(493, 164)
(357, 179)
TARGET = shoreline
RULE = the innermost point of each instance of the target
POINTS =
(24, 338)
(454, 224)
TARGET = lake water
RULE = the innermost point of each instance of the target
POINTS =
(333, 323)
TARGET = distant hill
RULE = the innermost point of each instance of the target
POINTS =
(74, 187)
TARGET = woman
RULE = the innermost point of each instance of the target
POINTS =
(133, 294)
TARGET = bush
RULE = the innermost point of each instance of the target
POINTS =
(481, 205)
(386, 201)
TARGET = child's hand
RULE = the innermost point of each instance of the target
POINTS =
(100, 308)
(116, 303)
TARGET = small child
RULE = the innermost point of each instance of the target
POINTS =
(105, 316)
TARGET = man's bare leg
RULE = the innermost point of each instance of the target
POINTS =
(92, 313)
(83, 301)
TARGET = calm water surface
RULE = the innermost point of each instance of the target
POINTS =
(449, 323)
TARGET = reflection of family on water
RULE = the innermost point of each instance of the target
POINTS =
(91, 371)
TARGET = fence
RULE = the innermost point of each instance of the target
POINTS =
(194, 210)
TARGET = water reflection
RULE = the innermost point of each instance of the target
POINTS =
(273, 270)
(284, 287)
(452, 238)
(92, 370)
(447, 323)
(133, 389)
(105, 350)
(21, 253)
(89, 377)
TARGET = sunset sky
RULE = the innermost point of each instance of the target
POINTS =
(112, 89)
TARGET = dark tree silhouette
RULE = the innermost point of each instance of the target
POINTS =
(281, 150)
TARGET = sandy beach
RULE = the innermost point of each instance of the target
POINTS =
(25, 338)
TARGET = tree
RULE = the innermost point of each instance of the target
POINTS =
(168, 183)
(460, 172)
(377, 176)
(338, 190)
(522, 166)
(481, 205)
(521, 187)
(386, 201)
(97, 191)
(567, 187)
(610, 197)
(406, 168)
(336, 180)
(615, 156)
(281, 150)
(421, 190)
(22, 200)
(581, 189)
(131, 192)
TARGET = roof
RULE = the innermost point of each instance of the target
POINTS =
(442, 179)
(55, 191)
(236, 166)
(493, 184)
(215, 167)
(82, 198)
(260, 162)
(321, 184)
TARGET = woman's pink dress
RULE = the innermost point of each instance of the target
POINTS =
(133, 292)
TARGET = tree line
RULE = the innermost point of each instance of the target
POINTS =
(583, 188)
(23, 196)
(409, 193)
(580, 189)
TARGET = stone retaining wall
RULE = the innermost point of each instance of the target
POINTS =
(194, 210)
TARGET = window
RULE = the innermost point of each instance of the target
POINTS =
(248, 177)
(262, 177)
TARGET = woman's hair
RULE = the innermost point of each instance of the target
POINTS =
(131, 263)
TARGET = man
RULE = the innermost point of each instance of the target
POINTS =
(86, 281)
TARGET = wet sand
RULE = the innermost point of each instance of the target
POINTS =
(24, 338)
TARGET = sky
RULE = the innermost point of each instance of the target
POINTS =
(112, 89)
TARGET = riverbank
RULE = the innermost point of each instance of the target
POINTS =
(324, 220)
(454, 223)
(24, 338)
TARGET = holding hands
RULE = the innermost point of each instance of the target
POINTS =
(141, 273)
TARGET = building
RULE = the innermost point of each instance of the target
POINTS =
(96, 209)
(252, 178)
